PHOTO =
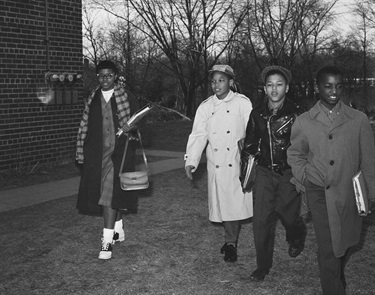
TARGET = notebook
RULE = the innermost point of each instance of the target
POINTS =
(361, 194)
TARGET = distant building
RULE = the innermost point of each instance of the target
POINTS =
(355, 82)
(40, 81)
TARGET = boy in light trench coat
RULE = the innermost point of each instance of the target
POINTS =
(329, 145)
(220, 122)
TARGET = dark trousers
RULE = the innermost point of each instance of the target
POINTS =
(331, 268)
(232, 230)
(275, 196)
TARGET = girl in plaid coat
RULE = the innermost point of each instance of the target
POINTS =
(99, 153)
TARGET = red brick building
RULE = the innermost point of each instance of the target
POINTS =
(40, 81)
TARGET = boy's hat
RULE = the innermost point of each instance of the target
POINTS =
(285, 72)
(222, 68)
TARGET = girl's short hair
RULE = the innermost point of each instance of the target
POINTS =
(106, 64)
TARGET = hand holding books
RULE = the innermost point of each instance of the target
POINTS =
(247, 177)
(361, 194)
(126, 128)
(131, 124)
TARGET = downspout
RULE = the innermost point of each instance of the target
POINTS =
(47, 34)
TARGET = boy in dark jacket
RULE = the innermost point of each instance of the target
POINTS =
(268, 138)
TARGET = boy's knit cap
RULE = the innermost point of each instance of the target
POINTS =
(222, 68)
(285, 72)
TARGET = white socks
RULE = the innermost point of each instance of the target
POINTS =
(118, 226)
(108, 234)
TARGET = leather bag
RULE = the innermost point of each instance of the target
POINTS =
(136, 180)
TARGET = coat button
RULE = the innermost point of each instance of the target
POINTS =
(227, 111)
(330, 136)
(228, 149)
(331, 162)
(230, 165)
(228, 131)
(327, 187)
(215, 150)
(217, 166)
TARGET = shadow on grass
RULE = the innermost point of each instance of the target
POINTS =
(170, 248)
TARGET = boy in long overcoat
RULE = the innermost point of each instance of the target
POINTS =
(329, 145)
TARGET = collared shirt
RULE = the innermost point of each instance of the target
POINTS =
(333, 113)
(275, 110)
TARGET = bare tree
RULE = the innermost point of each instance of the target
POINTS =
(192, 34)
(361, 10)
(289, 33)
(367, 6)
(288, 27)
(94, 45)
(363, 33)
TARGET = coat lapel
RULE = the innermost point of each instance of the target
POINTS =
(345, 114)
(341, 119)
(317, 114)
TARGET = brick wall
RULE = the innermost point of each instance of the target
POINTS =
(39, 120)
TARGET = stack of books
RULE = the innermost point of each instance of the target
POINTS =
(137, 117)
(361, 194)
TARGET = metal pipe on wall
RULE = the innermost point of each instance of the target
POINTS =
(47, 34)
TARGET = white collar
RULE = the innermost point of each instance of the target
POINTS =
(107, 94)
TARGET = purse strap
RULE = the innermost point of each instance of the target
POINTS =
(126, 148)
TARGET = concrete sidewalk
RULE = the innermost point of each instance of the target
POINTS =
(35, 194)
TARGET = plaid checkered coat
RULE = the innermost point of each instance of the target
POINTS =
(90, 149)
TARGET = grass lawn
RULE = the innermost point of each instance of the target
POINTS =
(170, 248)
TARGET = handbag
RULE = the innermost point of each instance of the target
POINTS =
(136, 180)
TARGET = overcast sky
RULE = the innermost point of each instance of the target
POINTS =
(344, 11)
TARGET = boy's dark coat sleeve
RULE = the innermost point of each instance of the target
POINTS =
(251, 143)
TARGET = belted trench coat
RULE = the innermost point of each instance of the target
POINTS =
(218, 126)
